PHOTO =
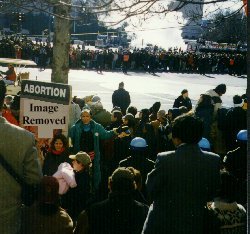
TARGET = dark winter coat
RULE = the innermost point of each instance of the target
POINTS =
(206, 115)
(52, 162)
(76, 199)
(236, 120)
(180, 101)
(121, 149)
(118, 214)
(140, 163)
(146, 131)
(180, 185)
(35, 221)
(121, 98)
(100, 59)
(102, 117)
(235, 162)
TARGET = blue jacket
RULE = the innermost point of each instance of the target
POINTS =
(99, 132)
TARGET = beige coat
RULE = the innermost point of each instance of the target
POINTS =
(36, 223)
(216, 135)
(17, 147)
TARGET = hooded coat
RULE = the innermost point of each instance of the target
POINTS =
(98, 132)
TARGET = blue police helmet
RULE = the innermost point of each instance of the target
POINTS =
(138, 143)
(204, 144)
(242, 135)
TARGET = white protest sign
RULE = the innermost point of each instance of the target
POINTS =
(45, 105)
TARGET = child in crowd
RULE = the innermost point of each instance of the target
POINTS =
(77, 198)
(66, 177)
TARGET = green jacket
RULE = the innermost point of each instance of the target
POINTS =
(99, 132)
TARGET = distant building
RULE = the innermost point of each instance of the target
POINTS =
(193, 13)
(191, 31)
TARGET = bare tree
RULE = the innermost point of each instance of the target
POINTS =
(122, 9)
(227, 29)
(61, 43)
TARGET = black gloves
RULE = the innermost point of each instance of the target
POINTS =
(121, 129)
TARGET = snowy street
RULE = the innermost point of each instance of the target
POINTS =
(144, 88)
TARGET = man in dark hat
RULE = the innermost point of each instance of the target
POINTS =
(182, 182)
(121, 98)
(183, 100)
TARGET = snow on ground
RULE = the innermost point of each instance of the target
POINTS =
(145, 89)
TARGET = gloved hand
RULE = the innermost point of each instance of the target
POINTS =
(70, 143)
(91, 155)
(121, 129)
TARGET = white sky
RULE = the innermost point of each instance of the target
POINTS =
(161, 32)
(166, 32)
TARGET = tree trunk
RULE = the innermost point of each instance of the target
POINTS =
(61, 44)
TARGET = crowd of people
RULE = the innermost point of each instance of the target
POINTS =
(181, 170)
(154, 60)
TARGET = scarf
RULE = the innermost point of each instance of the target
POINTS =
(56, 152)
(86, 127)
(239, 105)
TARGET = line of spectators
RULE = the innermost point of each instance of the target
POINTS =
(173, 60)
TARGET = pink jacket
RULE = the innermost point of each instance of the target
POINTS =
(66, 177)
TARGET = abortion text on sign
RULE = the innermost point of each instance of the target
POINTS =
(45, 105)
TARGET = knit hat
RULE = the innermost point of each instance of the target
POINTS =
(161, 113)
(116, 108)
(145, 111)
(184, 91)
(96, 106)
(175, 112)
(155, 108)
(81, 157)
(95, 99)
(49, 190)
(220, 89)
(86, 109)
(9, 97)
(237, 100)
(129, 117)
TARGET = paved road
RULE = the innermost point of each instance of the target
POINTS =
(145, 89)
